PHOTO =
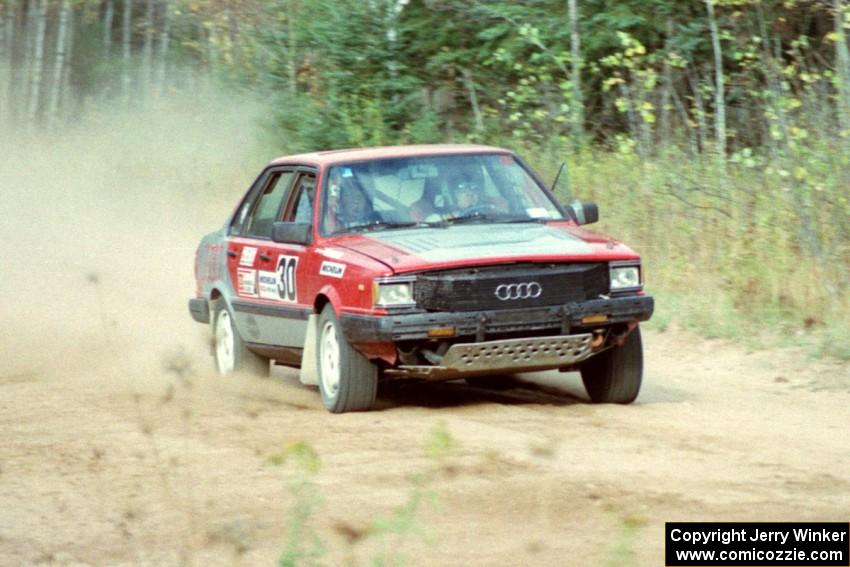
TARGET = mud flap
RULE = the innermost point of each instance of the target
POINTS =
(309, 372)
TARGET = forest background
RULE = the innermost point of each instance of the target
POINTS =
(715, 134)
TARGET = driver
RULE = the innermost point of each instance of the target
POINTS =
(352, 207)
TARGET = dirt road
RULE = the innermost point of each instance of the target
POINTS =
(119, 446)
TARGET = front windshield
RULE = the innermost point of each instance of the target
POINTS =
(431, 191)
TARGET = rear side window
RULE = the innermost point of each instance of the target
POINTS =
(267, 208)
(301, 209)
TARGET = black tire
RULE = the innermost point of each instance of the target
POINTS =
(352, 382)
(496, 382)
(240, 359)
(615, 376)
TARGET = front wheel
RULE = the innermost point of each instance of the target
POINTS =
(231, 353)
(614, 376)
(348, 381)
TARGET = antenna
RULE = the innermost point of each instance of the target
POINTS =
(557, 177)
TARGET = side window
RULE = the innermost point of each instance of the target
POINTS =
(301, 209)
(265, 212)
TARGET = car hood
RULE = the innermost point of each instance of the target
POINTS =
(421, 249)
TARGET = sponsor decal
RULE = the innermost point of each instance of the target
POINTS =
(267, 285)
(248, 255)
(332, 269)
(246, 282)
(286, 267)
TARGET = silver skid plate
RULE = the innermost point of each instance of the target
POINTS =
(537, 353)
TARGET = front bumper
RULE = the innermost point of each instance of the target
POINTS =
(562, 319)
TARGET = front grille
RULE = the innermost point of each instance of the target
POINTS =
(475, 289)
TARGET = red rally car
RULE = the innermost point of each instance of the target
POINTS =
(435, 262)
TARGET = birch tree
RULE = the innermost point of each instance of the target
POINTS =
(575, 73)
(5, 57)
(719, 88)
(59, 63)
(147, 47)
(37, 63)
(162, 52)
(292, 60)
(69, 55)
(842, 64)
(108, 16)
(126, 31)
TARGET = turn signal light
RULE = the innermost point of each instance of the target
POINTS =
(593, 319)
(438, 332)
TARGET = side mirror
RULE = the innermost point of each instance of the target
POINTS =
(292, 232)
(586, 213)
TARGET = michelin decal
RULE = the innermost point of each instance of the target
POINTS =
(332, 269)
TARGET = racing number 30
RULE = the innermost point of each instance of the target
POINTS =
(286, 278)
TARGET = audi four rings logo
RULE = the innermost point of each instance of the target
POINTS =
(526, 290)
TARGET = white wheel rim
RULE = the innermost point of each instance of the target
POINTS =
(329, 359)
(224, 347)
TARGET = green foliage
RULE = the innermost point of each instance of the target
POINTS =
(305, 545)
(621, 552)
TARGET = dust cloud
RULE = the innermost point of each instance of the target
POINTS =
(100, 222)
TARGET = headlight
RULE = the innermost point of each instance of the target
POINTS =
(625, 277)
(393, 294)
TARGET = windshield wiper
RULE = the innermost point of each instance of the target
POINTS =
(470, 218)
(511, 220)
(506, 219)
(386, 225)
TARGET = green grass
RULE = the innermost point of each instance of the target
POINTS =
(761, 250)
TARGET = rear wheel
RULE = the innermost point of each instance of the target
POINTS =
(614, 376)
(348, 381)
(231, 353)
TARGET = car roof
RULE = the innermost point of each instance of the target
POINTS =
(385, 152)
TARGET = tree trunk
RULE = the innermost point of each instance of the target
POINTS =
(685, 117)
(25, 71)
(147, 48)
(58, 64)
(842, 64)
(8, 81)
(575, 74)
(5, 58)
(694, 80)
(292, 64)
(233, 36)
(108, 16)
(775, 90)
(126, 31)
(37, 64)
(667, 90)
(164, 39)
(473, 99)
(65, 103)
(211, 35)
(719, 88)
